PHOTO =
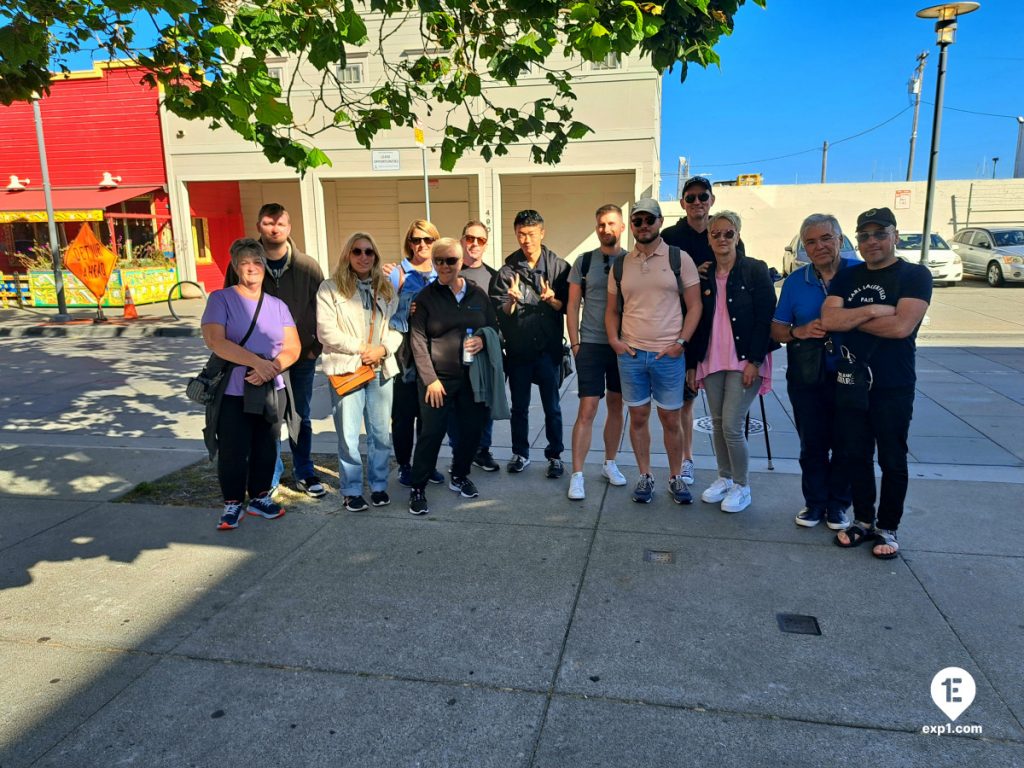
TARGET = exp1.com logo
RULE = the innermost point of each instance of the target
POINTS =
(953, 692)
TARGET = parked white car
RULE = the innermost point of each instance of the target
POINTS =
(995, 253)
(943, 262)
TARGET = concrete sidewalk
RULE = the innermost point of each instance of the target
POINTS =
(517, 629)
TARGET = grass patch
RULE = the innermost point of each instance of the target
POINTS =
(196, 486)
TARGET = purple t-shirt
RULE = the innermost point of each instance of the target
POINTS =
(229, 308)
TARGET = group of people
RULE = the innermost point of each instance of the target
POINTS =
(422, 349)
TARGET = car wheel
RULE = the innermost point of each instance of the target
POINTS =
(994, 274)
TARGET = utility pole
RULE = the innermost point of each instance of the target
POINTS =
(824, 160)
(914, 87)
(1018, 162)
(994, 161)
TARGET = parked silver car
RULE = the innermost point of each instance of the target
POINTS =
(995, 253)
(795, 256)
(943, 262)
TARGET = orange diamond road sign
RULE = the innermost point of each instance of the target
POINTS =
(90, 261)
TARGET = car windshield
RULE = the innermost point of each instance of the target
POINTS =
(1009, 237)
(912, 242)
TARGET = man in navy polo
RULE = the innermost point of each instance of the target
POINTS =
(811, 372)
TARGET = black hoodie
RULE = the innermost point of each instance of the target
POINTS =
(534, 327)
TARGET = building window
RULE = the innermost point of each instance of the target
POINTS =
(276, 73)
(351, 74)
(611, 61)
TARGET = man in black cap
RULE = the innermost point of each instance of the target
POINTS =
(874, 310)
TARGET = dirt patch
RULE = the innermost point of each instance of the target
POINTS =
(196, 486)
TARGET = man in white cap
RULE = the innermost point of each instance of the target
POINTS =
(649, 331)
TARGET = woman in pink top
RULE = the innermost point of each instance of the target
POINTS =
(730, 354)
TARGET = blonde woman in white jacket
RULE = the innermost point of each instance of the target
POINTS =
(353, 309)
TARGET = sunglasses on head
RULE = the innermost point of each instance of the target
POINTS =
(471, 239)
(448, 261)
(363, 252)
(695, 196)
(421, 240)
(728, 234)
(642, 219)
(880, 234)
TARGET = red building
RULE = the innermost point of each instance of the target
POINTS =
(105, 153)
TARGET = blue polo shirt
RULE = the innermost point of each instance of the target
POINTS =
(803, 293)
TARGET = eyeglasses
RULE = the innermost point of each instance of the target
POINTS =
(694, 197)
(823, 240)
(448, 261)
(642, 219)
(471, 239)
(878, 234)
(421, 240)
(363, 252)
(728, 234)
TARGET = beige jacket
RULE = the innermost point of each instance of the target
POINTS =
(340, 327)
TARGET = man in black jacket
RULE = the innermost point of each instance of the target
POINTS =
(294, 278)
(530, 292)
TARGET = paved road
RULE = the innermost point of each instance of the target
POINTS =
(517, 629)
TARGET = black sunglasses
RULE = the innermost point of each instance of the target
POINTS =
(363, 252)
(728, 234)
(642, 219)
(419, 240)
(694, 197)
(448, 261)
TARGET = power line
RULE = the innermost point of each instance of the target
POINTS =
(972, 112)
(807, 151)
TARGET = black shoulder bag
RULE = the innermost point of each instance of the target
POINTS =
(203, 388)
(854, 379)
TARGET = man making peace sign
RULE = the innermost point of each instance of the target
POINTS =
(530, 292)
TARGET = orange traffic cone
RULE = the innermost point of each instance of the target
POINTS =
(130, 313)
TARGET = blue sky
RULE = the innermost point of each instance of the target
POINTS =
(800, 72)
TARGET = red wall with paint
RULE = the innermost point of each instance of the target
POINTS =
(220, 203)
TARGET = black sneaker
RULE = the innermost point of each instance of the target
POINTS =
(405, 475)
(380, 498)
(485, 461)
(418, 503)
(555, 468)
(356, 504)
(312, 486)
(435, 477)
(264, 506)
(464, 487)
(234, 511)
(518, 463)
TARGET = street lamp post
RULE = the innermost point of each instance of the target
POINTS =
(58, 275)
(994, 161)
(945, 27)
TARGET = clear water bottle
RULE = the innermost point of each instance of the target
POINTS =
(467, 356)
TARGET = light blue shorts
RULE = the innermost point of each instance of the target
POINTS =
(644, 379)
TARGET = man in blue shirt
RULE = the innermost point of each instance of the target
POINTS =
(877, 308)
(811, 372)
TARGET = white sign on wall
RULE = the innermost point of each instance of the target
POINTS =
(902, 199)
(385, 159)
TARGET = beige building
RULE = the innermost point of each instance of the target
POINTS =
(382, 190)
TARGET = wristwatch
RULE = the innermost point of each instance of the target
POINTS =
(681, 342)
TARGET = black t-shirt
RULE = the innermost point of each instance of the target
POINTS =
(695, 243)
(891, 360)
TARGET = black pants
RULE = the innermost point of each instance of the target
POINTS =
(884, 425)
(406, 423)
(824, 486)
(246, 452)
(471, 417)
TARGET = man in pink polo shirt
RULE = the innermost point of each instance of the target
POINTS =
(649, 332)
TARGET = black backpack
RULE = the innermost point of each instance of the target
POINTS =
(675, 262)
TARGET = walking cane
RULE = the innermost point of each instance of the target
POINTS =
(764, 428)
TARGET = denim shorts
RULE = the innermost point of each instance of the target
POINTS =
(596, 365)
(644, 378)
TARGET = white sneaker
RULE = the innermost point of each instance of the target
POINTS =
(717, 490)
(611, 471)
(576, 491)
(737, 499)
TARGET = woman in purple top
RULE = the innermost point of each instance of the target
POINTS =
(252, 403)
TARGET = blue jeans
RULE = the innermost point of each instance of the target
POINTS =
(522, 375)
(824, 486)
(369, 405)
(301, 374)
(645, 377)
